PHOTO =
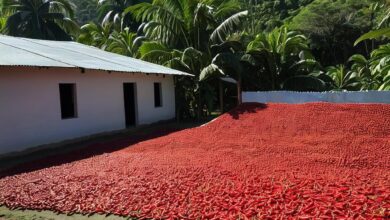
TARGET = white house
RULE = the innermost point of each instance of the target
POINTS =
(54, 91)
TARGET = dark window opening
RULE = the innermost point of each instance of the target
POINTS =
(157, 95)
(68, 100)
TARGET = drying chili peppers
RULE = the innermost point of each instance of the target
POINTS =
(323, 161)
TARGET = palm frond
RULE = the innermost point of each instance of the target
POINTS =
(210, 72)
(228, 26)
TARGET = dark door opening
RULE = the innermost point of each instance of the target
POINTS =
(130, 110)
(68, 100)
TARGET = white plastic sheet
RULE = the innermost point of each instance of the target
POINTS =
(306, 97)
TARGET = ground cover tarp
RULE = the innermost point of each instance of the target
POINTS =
(307, 97)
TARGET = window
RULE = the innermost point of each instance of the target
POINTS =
(68, 100)
(157, 95)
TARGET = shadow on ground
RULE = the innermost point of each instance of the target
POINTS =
(246, 108)
(66, 153)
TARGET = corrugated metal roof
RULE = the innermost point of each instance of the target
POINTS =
(15, 51)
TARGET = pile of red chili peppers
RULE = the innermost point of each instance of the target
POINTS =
(322, 161)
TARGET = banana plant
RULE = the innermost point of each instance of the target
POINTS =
(280, 60)
(226, 62)
(284, 61)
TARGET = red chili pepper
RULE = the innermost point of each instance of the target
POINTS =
(274, 161)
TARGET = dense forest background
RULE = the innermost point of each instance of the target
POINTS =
(299, 45)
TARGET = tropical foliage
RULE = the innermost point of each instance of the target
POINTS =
(42, 19)
(301, 45)
(112, 12)
(383, 29)
(86, 11)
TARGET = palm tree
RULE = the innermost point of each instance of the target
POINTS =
(95, 35)
(179, 37)
(186, 23)
(40, 19)
(104, 37)
(111, 12)
(125, 43)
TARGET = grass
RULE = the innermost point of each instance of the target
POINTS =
(8, 214)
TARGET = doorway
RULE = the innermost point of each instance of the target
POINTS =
(130, 104)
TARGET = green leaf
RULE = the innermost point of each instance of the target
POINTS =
(210, 71)
(384, 32)
(358, 58)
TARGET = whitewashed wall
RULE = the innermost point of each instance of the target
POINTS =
(304, 97)
(30, 112)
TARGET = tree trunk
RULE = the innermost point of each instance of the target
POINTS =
(199, 105)
(239, 97)
(221, 96)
